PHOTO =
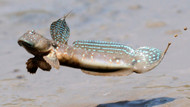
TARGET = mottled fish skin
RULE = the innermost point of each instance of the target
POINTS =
(80, 58)
(102, 54)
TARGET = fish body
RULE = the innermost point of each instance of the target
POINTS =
(92, 57)
(91, 60)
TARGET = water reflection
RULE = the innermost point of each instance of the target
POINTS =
(139, 103)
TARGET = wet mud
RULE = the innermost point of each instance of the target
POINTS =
(132, 22)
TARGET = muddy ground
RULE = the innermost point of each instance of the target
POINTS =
(131, 22)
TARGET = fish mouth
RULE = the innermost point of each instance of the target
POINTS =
(25, 43)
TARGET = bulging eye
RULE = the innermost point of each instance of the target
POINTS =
(54, 44)
(32, 32)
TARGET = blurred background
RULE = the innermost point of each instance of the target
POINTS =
(132, 22)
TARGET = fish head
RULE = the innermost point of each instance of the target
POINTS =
(40, 47)
(35, 43)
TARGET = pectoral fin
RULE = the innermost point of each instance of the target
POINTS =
(44, 65)
(51, 59)
(124, 72)
(31, 65)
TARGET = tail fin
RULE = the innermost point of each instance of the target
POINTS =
(148, 58)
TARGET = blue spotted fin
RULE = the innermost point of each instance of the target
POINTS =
(148, 58)
(104, 47)
(60, 31)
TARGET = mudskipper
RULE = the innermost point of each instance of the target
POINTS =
(92, 57)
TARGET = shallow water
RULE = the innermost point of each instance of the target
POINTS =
(132, 22)
(139, 103)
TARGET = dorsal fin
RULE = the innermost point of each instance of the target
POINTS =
(60, 31)
(104, 46)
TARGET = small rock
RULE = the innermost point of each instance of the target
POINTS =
(20, 77)
(16, 70)
(135, 7)
(185, 28)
